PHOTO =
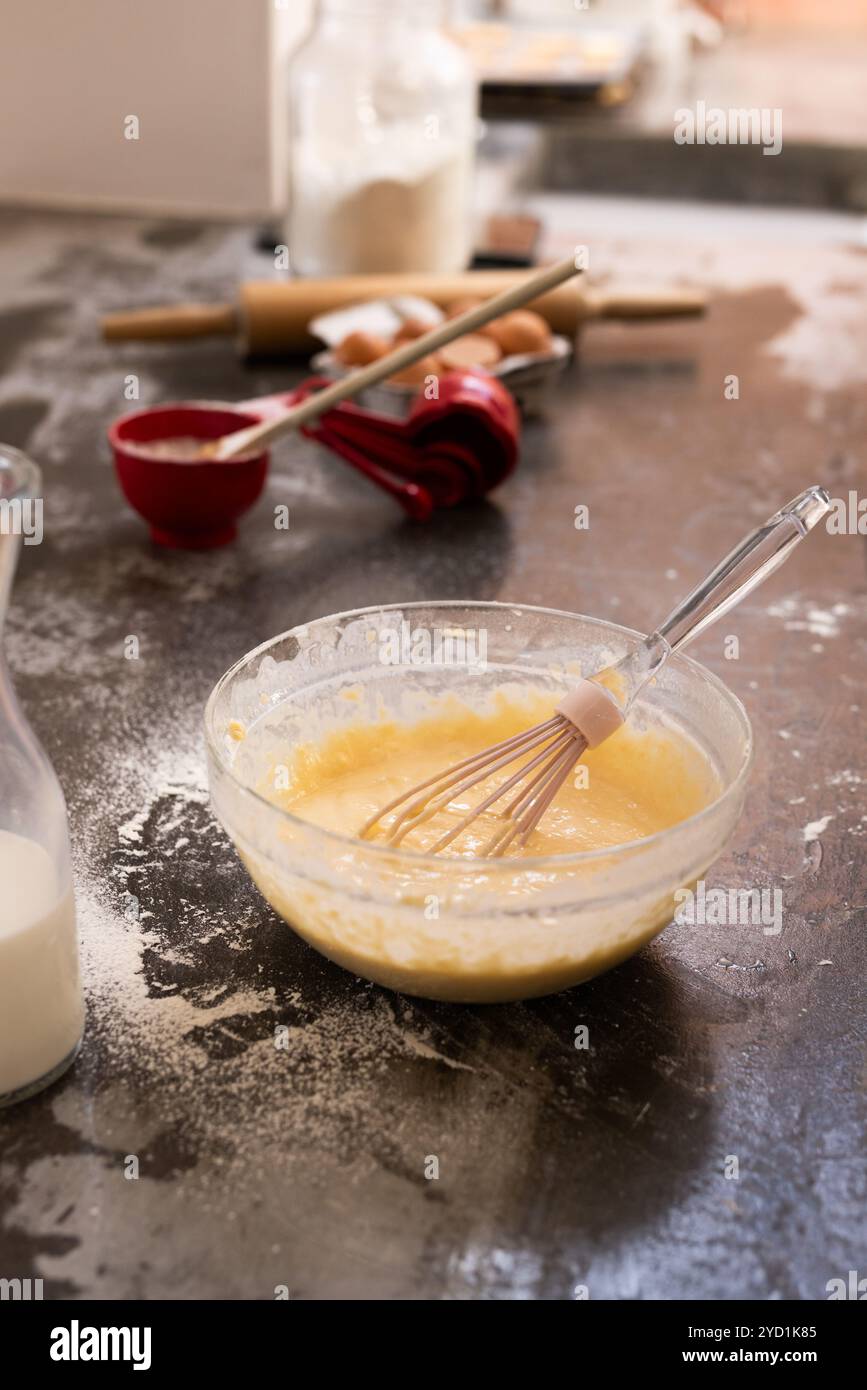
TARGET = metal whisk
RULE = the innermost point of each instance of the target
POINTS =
(598, 706)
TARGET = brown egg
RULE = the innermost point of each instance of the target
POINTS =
(417, 372)
(462, 306)
(411, 328)
(357, 349)
(521, 331)
(471, 350)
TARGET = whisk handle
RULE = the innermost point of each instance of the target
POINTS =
(757, 556)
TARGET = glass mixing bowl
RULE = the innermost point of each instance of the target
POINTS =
(469, 930)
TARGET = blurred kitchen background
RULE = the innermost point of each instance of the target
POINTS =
(575, 96)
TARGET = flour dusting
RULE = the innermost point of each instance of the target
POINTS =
(815, 828)
(805, 616)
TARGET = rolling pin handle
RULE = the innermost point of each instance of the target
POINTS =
(171, 321)
(649, 303)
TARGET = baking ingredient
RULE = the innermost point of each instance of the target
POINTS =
(358, 349)
(417, 373)
(411, 329)
(471, 350)
(637, 783)
(519, 333)
(398, 210)
(459, 927)
(41, 1009)
(183, 449)
(522, 331)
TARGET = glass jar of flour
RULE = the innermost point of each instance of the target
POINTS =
(41, 1007)
(382, 130)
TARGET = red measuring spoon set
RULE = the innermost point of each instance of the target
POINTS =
(452, 447)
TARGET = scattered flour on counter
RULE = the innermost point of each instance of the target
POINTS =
(194, 1013)
(420, 1048)
(203, 1048)
(806, 616)
(846, 778)
(183, 796)
(67, 636)
(815, 828)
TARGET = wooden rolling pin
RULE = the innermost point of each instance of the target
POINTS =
(271, 316)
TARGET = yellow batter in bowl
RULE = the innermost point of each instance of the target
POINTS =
(633, 785)
(311, 733)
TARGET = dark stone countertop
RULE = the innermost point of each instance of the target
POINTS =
(304, 1167)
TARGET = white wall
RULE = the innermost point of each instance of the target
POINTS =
(203, 77)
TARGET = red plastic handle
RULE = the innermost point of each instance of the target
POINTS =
(416, 501)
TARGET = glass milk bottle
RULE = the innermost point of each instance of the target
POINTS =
(382, 131)
(41, 1007)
